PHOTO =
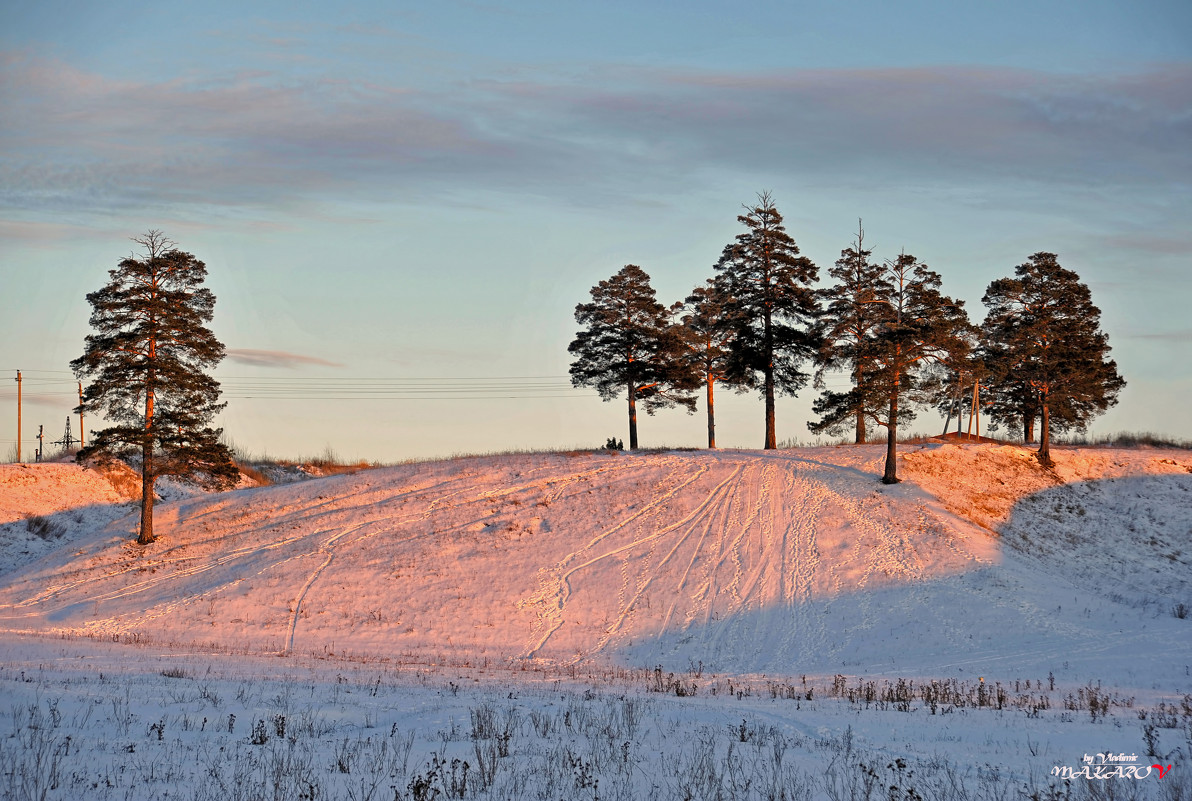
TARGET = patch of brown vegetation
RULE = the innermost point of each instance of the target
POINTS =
(983, 482)
(125, 480)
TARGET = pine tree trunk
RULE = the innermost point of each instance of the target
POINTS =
(147, 475)
(857, 377)
(147, 480)
(711, 415)
(890, 476)
(632, 415)
(1044, 453)
(771, 436)
(1028, 426)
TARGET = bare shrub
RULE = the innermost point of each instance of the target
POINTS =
(43, 527)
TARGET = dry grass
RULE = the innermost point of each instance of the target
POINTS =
(125, 480)
(252, 473)
(1127, 439)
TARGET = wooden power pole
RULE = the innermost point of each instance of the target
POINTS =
(18, 416)
(81, 434)
(973, 411)
(977, 408)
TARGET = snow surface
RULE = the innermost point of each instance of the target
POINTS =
(764, 566)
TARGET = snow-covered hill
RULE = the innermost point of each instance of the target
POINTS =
(784, 562)
(1040, 605)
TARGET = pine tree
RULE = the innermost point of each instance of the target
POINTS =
(773, 306)
(708, 328)
(1046, 333)
(1012, 400)
(920, 327)
(630, 344)
(852, 310)
(145, 366)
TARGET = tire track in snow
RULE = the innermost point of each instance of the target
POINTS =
(763, 531)
(770, 581)
(740, 590)
(800, 546)
(554, 593)
(728, 540)
(620, 467)
(182, 567)
(708, 513)
(149, 583)
(715, 500)
(326, 547)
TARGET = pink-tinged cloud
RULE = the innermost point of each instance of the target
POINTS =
(78, 140)
(275, 358)
(926, 123)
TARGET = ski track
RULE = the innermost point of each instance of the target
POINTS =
(703, 516)
(562, 589)
(328, 548)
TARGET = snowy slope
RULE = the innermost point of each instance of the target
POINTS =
(782, 562)
(44, 505)
(42, 489)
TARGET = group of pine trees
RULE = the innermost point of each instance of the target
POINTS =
(760, 323)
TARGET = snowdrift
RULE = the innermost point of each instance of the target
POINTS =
(781, 562)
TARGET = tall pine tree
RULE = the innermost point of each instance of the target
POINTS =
(708, 326)
(145, 366)
(1051, 352)
(773, 306)
(920, 327)
(630, 344)
(853, 308)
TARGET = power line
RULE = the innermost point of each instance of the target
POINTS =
(432, 388)
(260, 387)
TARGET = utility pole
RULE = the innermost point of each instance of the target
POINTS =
(81, 443)
(977, 410)
(41, 443)
(18, 416)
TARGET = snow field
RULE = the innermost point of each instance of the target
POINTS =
(105, 721)
(516, 588)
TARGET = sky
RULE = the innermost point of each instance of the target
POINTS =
(399, 204)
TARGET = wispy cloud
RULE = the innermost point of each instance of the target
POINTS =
(1167, 336)
(75, 139)
(275, 358)
(923, 124)
(1160, 244)
(80, 140)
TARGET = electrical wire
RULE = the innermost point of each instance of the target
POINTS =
(261, 387)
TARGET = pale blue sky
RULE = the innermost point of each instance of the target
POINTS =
(392, 192)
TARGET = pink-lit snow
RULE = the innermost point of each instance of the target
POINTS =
(788, 564)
